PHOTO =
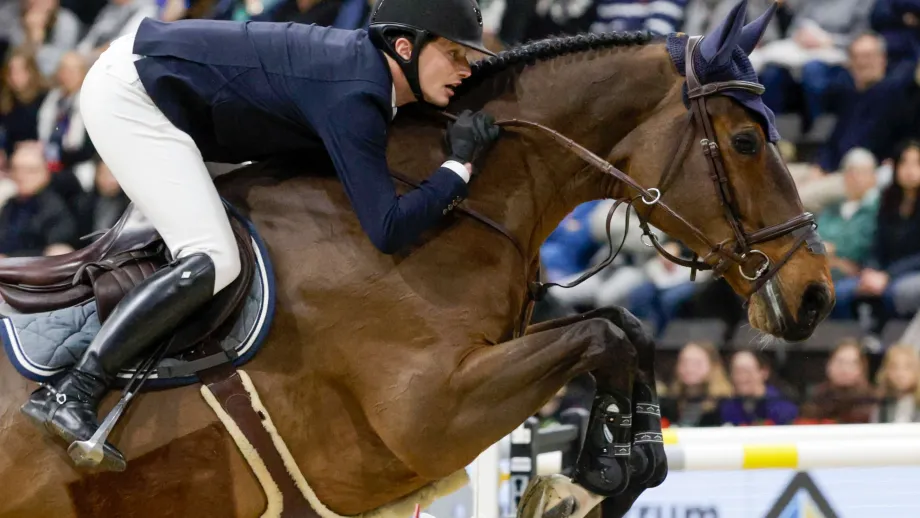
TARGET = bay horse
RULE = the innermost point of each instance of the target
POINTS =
(387, 373)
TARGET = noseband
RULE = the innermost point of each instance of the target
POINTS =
(753, 264)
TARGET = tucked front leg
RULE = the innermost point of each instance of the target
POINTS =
(494, 389)
(649, 464)
(603, 465)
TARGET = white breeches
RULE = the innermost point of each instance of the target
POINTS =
(158, 166)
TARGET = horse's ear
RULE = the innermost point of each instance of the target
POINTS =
(753, 32)
(716, 49)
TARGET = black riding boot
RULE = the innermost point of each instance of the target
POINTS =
(139, 322)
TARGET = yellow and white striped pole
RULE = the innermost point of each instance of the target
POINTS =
(793, 447)
(796, 433)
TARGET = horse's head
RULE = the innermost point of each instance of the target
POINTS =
(710, 151)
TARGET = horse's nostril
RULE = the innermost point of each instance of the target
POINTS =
(815, 304)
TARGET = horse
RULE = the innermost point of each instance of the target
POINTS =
(386, 375)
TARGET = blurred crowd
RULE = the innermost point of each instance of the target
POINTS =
(841, 75)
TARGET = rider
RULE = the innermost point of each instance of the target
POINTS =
(161, 102)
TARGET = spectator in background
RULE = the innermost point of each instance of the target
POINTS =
(659, 17)
(117, 18)
(48, 30)
(848, 228)
(754, 400)
(36, 221)
(343, 14)
(7, 186)
(699, 384)
(243, 10)
(22, 91)
(172, 10)
(821, 31)
(898, 382)
(870, 111)
(580, 241)
(667, 289)
(868, 103)
(68, 149)
(890, 284)
(846, 396)
(703, 15)
(898, 21)
(104, 204)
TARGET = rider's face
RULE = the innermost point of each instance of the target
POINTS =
(442, 65)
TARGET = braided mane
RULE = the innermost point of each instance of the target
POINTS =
(548, 48)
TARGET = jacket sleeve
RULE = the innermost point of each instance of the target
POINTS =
(355, 135)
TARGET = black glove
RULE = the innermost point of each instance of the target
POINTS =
(471, 135)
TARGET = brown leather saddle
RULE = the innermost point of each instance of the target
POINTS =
(108, 268)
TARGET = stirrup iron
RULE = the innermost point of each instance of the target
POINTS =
(91, 453)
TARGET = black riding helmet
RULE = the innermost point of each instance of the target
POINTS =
(459, 21)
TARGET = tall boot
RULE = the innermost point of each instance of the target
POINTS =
(143, 318)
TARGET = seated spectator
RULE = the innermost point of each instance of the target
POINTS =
(869, 107)
(898, 21)
(36, 221)
(85, 10)
(898, 383)
(243, 10)
(342, 14)
(821, 31)
(172, 10)
(868, 103)
(660, 298)
(104, 205)
(580, 242)
(116, 19)
(659, 17)
(7, 186)
(890, 283)
(703, 15)
(525, 20)
(699, 384)
(848, 228)
(68, 148)
(566, 398)
(754, 401)
(48, 30)
(846, 396)
(22, 91)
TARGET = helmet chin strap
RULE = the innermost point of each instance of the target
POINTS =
(409, 66)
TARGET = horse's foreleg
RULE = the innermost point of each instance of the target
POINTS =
(648, 464)
(495, 388)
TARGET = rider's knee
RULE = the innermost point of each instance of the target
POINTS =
(226, 264)
(226, 267)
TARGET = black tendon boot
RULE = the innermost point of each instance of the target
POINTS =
(603, 464)
(139, 322)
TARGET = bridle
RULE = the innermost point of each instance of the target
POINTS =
(753, 264)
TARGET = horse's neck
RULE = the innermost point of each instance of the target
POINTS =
(596, 98)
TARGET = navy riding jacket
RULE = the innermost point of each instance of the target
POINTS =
(248, 90)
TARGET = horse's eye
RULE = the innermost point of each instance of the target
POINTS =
(746, 144)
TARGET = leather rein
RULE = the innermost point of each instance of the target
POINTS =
(753, 264)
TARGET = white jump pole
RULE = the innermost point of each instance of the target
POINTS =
(789, 433)
(485, 483)
(852, 453)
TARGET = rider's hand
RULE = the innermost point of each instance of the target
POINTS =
(471, 135)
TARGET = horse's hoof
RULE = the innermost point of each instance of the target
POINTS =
(556, 496)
